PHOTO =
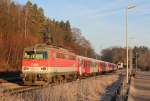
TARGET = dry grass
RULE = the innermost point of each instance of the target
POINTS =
(7, 97)
(81, 90)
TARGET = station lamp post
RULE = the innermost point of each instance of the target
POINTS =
(127, 55)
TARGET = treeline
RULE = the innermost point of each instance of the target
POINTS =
(118, 54)
(25, 25)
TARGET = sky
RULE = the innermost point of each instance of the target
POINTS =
(102, 22)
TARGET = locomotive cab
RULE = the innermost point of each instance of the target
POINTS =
(35, 66)
(43, 64)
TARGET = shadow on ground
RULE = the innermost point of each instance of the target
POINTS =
(13, 77)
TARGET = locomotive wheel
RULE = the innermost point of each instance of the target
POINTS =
(48, 81)
(60, 79)
(57, 79)
(54, 79)
(75, 77)
(64, 79)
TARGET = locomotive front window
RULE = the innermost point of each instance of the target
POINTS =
(41, 55)
(38, 55)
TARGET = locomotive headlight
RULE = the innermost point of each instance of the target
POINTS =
(26, 68)
(43, 68)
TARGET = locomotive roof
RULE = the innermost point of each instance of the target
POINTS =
(46, 47)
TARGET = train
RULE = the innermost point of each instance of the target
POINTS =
(43, 64)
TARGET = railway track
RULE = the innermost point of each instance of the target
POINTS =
(20, 89)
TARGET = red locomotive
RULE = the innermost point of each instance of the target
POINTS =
(46, 63)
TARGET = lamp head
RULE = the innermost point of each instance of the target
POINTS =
(131, 6)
